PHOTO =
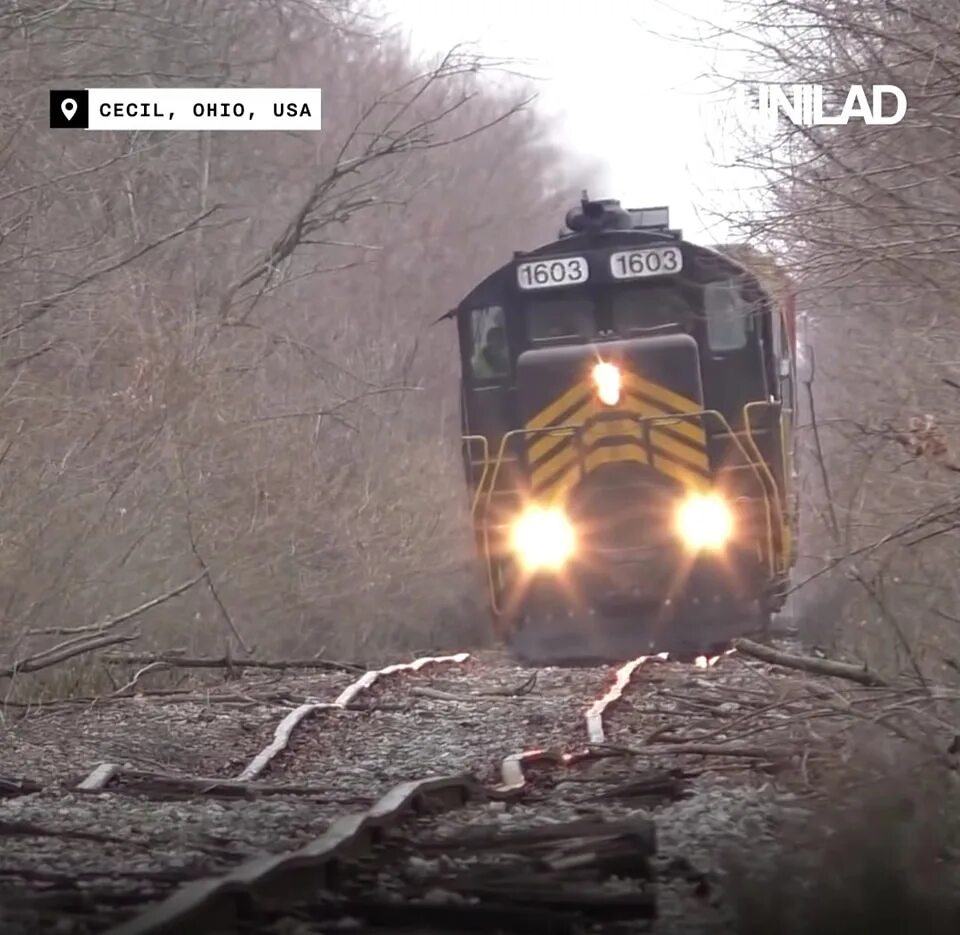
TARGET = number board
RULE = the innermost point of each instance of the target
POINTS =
(547, 274)
(636, 264)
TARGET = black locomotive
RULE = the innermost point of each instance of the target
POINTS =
(627, 410)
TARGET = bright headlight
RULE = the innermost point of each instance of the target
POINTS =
(704, 521)
(607, 379)
(543, 539)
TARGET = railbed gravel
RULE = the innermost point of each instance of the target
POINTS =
(381, 747)
(715, 822)
(202, 737)
(356, 756)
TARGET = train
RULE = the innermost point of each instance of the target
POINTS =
(627, 405)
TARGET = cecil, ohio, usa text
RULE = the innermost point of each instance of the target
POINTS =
(146, 109)
(213, 109)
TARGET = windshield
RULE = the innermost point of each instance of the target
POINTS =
(561, 316)
(649, 308)
(723, 304)
(624, 310)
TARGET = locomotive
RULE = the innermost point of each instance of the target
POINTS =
(627, 408)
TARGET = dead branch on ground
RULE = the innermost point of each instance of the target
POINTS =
(150, 783)
(843, 670)
(177, 661)
(35, 663)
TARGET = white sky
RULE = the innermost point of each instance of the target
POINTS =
(624, 85)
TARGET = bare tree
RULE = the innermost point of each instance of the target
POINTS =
(215, 351)
(866, 215)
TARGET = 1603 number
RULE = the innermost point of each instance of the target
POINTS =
(635, 264)
(544, 274)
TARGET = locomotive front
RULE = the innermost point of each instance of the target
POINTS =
(616, 508)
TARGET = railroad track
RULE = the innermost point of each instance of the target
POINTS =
(454, 792)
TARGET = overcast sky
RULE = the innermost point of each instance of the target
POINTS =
(626, 87)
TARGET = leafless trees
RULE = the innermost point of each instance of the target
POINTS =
(215, 357)
(868, 216)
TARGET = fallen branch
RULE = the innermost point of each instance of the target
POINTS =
(69, 880)
(30, 830)
(440, 695)
(150, 667)
(697, 749)
(131, 780)
(523, 689)
(33, 664)
(427, 692)
(195, 662)
(715, 749)
(520, 691)
(112, 622)
(844, 670)
(182, 696)
(9, 786)
(661, 785)
(639, 826)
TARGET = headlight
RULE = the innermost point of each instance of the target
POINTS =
(543, 539)
(607, 379)
(704, 521)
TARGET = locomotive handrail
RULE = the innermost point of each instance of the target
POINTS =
(748, 427)
(486, 465)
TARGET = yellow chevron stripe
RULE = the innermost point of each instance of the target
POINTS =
(694, 457)
(540, 446)
(545, 471)
(560, 405)
(658, 438)
(665, 450)
(694, 452)
(641, 407)
(609, 428)
(674, 401)
(668, 449)
(566, 448)
(617, 454)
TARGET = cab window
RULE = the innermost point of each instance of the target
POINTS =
(490, 357)
(560, 318)
(648, 308)
(729, 315)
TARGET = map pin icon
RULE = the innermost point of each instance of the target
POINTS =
(69, 108)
